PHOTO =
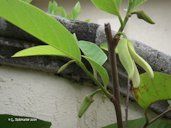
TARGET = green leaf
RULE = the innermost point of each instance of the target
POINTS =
(125, 57)
(104, 46)
(61, 12)
(41, 25)
(27, 1)
(100, 69)
(52, 7)
(118, 3)
(142, 15)
(10, 121)
(63, 67)
(134, 4)
(88, 100)
(75, 11)
(139, 60)
(45, 50)
(139, 123)
(110, 6)
(92, 51)
(153, 90)
(136, 77)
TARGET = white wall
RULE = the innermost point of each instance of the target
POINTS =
(45, 96)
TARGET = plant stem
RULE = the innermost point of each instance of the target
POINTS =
(95, 92)
(156, 118)
(124, 23)
(129, 87)
(120, 20)
(146, 118)
(159, 116)
(104, 90)
(112, 43)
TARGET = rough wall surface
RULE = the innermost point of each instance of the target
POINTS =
(45, 96)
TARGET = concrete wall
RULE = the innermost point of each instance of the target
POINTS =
(45, 96)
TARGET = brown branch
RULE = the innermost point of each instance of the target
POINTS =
(156, 118)
(112, 43)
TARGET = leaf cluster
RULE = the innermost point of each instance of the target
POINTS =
(55, 9)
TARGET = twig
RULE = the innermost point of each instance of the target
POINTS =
(156, 118)
(146, 118)
(103, 89)
(159, 116)
(129, 87)
(112, 43)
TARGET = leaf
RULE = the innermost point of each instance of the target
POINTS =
(104, 46)
(142, 15)
(10, 121)
(110, 6)
(27, 1)
(52, 7)
(75, 11)
(92, 51)
(136, 77)
(45, 50)
(100, 69)
(139, 60)
(139, 123)
(118, 3)
(88, 100)
(134, 4)
(125, 57)
(153, 90)
(63, 67)
(41, 25)
(61, 12)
